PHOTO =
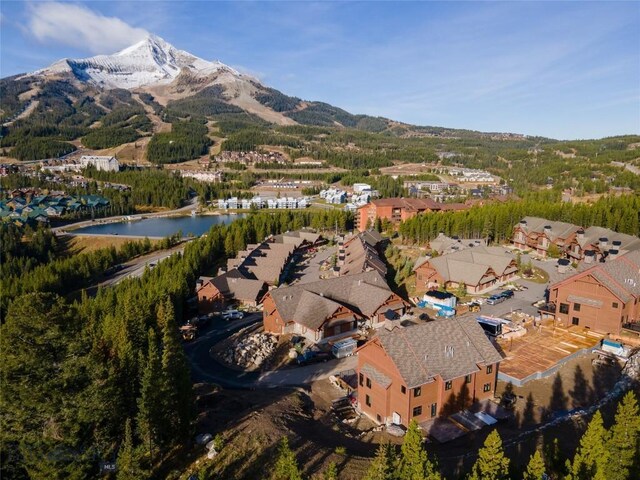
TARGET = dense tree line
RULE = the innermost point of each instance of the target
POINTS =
(603, 454)
(497, 220)
(106, 377)
(149, 187)
(39, 148)
(251, 139)
(276, 100)
(187, 140)
(207, 102)
(108, 137)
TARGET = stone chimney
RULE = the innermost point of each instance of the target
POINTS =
(580, 234)
(547, 229)
(604, 241)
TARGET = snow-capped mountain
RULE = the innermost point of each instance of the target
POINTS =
(151, 61)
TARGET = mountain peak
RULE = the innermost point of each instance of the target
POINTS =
(151, 61)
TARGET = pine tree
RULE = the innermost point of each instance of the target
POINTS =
(151, 418)
(331, 473)
(624, 445)
(591, 461)
(492, 463)
(128, 460)
(175, 374)
(414, 464)
(286, 465)
(384, 465)
(535, 469)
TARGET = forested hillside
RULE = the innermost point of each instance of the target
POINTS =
(111, 371)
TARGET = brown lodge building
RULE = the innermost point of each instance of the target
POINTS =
(478, 268)
(330, 308)
(603, 298)
(397, 210)
(426, 370)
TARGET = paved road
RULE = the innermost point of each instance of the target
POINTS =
(137, 266)
(524, 300)
(205, 369)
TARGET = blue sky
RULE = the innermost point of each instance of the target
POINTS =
(562, 70)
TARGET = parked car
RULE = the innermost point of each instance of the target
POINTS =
(200, 321)
(232, 315)
(507, 294)
(495, 299)
(312, 356)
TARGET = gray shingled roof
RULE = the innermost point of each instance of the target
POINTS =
(363, 294)
(469, 266)
(444, 244)
(376, 375)
(234, 284)
(451, 348)
(361, 255)
(558, 229)
(592, 236)
(621, 275)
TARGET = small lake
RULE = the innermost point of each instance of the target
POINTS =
(161, 226)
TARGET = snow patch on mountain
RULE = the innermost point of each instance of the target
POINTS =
(151, 61)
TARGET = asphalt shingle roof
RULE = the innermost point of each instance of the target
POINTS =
(307, 303)
(450, 348)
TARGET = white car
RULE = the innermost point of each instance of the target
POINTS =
(232, 315)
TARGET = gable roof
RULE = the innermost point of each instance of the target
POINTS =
(362, 293)
(470, 265)
(561, 230)
(360, 254)
(234, 284)
(450, 348)
(592, 236)
(621, 276)
(410, 204)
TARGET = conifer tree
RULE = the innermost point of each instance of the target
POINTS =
(128, 460)
(286, 465)
(384, 465)
(624, 445)
(331, 473)
(591, 461)
(414, 464)
(151, 418)
(492, 463)
(535, 468)
(175, 374)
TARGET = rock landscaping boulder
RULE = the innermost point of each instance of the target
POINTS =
(251, 351)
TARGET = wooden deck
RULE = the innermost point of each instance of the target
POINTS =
(543, 348)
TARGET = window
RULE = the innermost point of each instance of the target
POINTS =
(417, 392)
(379, 418)
(417, 411)
(367, 400)
(576, 307)
(487, 387)
(489, 369)
(467, 379)
(614, 304)
(368, 383)
(204, 297)
(575, 321)
(564, 308)
(361, 380)
(403, 389)
(448, 385)
(434, 409)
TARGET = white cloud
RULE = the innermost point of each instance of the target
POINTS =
(80, 27)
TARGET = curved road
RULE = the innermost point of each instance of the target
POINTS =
(205, 369)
